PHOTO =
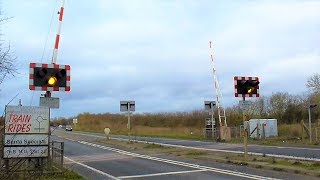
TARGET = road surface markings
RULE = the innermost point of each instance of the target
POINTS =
(214, 150)
(160, 174)
(99, 157)
(68, 139)
(207, 168)
(284, 147)
(91, 168)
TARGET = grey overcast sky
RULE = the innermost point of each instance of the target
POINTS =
(156, 52)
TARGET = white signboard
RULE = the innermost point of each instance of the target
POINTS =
(27, 119)
(208, 105)
(124, 106)
(25, 151)
(25, 139)
(245, 104)
(51, 102)
(75, 121)
(210, 122)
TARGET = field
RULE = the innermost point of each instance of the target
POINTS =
(183, 126)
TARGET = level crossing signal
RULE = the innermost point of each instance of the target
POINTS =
(49, 77)
(246, 86)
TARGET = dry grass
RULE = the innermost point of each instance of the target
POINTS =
(290, 130)
(185, 125)
(178, 132)
(188, 125)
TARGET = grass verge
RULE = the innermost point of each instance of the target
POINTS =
(66, 174)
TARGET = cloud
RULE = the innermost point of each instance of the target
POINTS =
(156, 52)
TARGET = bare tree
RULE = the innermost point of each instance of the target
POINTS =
(7, 60)
(7, 63)
(313, 83)
(277, 105)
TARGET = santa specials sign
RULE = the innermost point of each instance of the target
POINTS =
(27, 120)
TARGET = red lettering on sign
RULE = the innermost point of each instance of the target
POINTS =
(28, 128)
(19, 123)
(23, 128)
(20, 118)
(16, 128)
(10, 129)
(12, 117)
(27, 118)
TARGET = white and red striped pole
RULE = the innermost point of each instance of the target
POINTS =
(56, 44)
(215, 81)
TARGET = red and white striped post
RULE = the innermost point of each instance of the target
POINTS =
(56, 44)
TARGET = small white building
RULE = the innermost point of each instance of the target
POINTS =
(260, 128)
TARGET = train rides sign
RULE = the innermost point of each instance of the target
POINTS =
(26, 131)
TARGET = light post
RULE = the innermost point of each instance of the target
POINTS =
(309, 112)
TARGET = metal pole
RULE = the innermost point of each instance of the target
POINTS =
(212, 113)
(129, 123)
(48, 94)
(309, 112)
(245, 133)
(62, 153)
(316, 129)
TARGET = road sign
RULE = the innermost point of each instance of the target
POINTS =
(75, 121)
(25, 139)
(210, 121)
(27, 120)
(208, 105)
(25, 151)
(245, 104)
(26, 131)
(51, 102)
(124, 106)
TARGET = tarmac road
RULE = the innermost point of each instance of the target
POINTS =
(94, 161)
(303, 153)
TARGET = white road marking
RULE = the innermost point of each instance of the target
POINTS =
(214, 150)
(93, 169)
(68, 139)
(196, 166)
(100, 157)
(160, 174)
(287, 147)
(279, 147)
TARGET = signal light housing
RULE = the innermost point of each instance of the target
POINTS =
(49, 77)
(246, 86)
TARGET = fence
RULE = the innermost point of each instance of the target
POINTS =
(31, 168)
(1, 146)
(57, 153)
(208, 133)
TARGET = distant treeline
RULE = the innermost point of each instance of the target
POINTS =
(286, 108)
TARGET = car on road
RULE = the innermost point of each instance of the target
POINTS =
(68, 128)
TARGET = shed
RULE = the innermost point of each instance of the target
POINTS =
(260, 128)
